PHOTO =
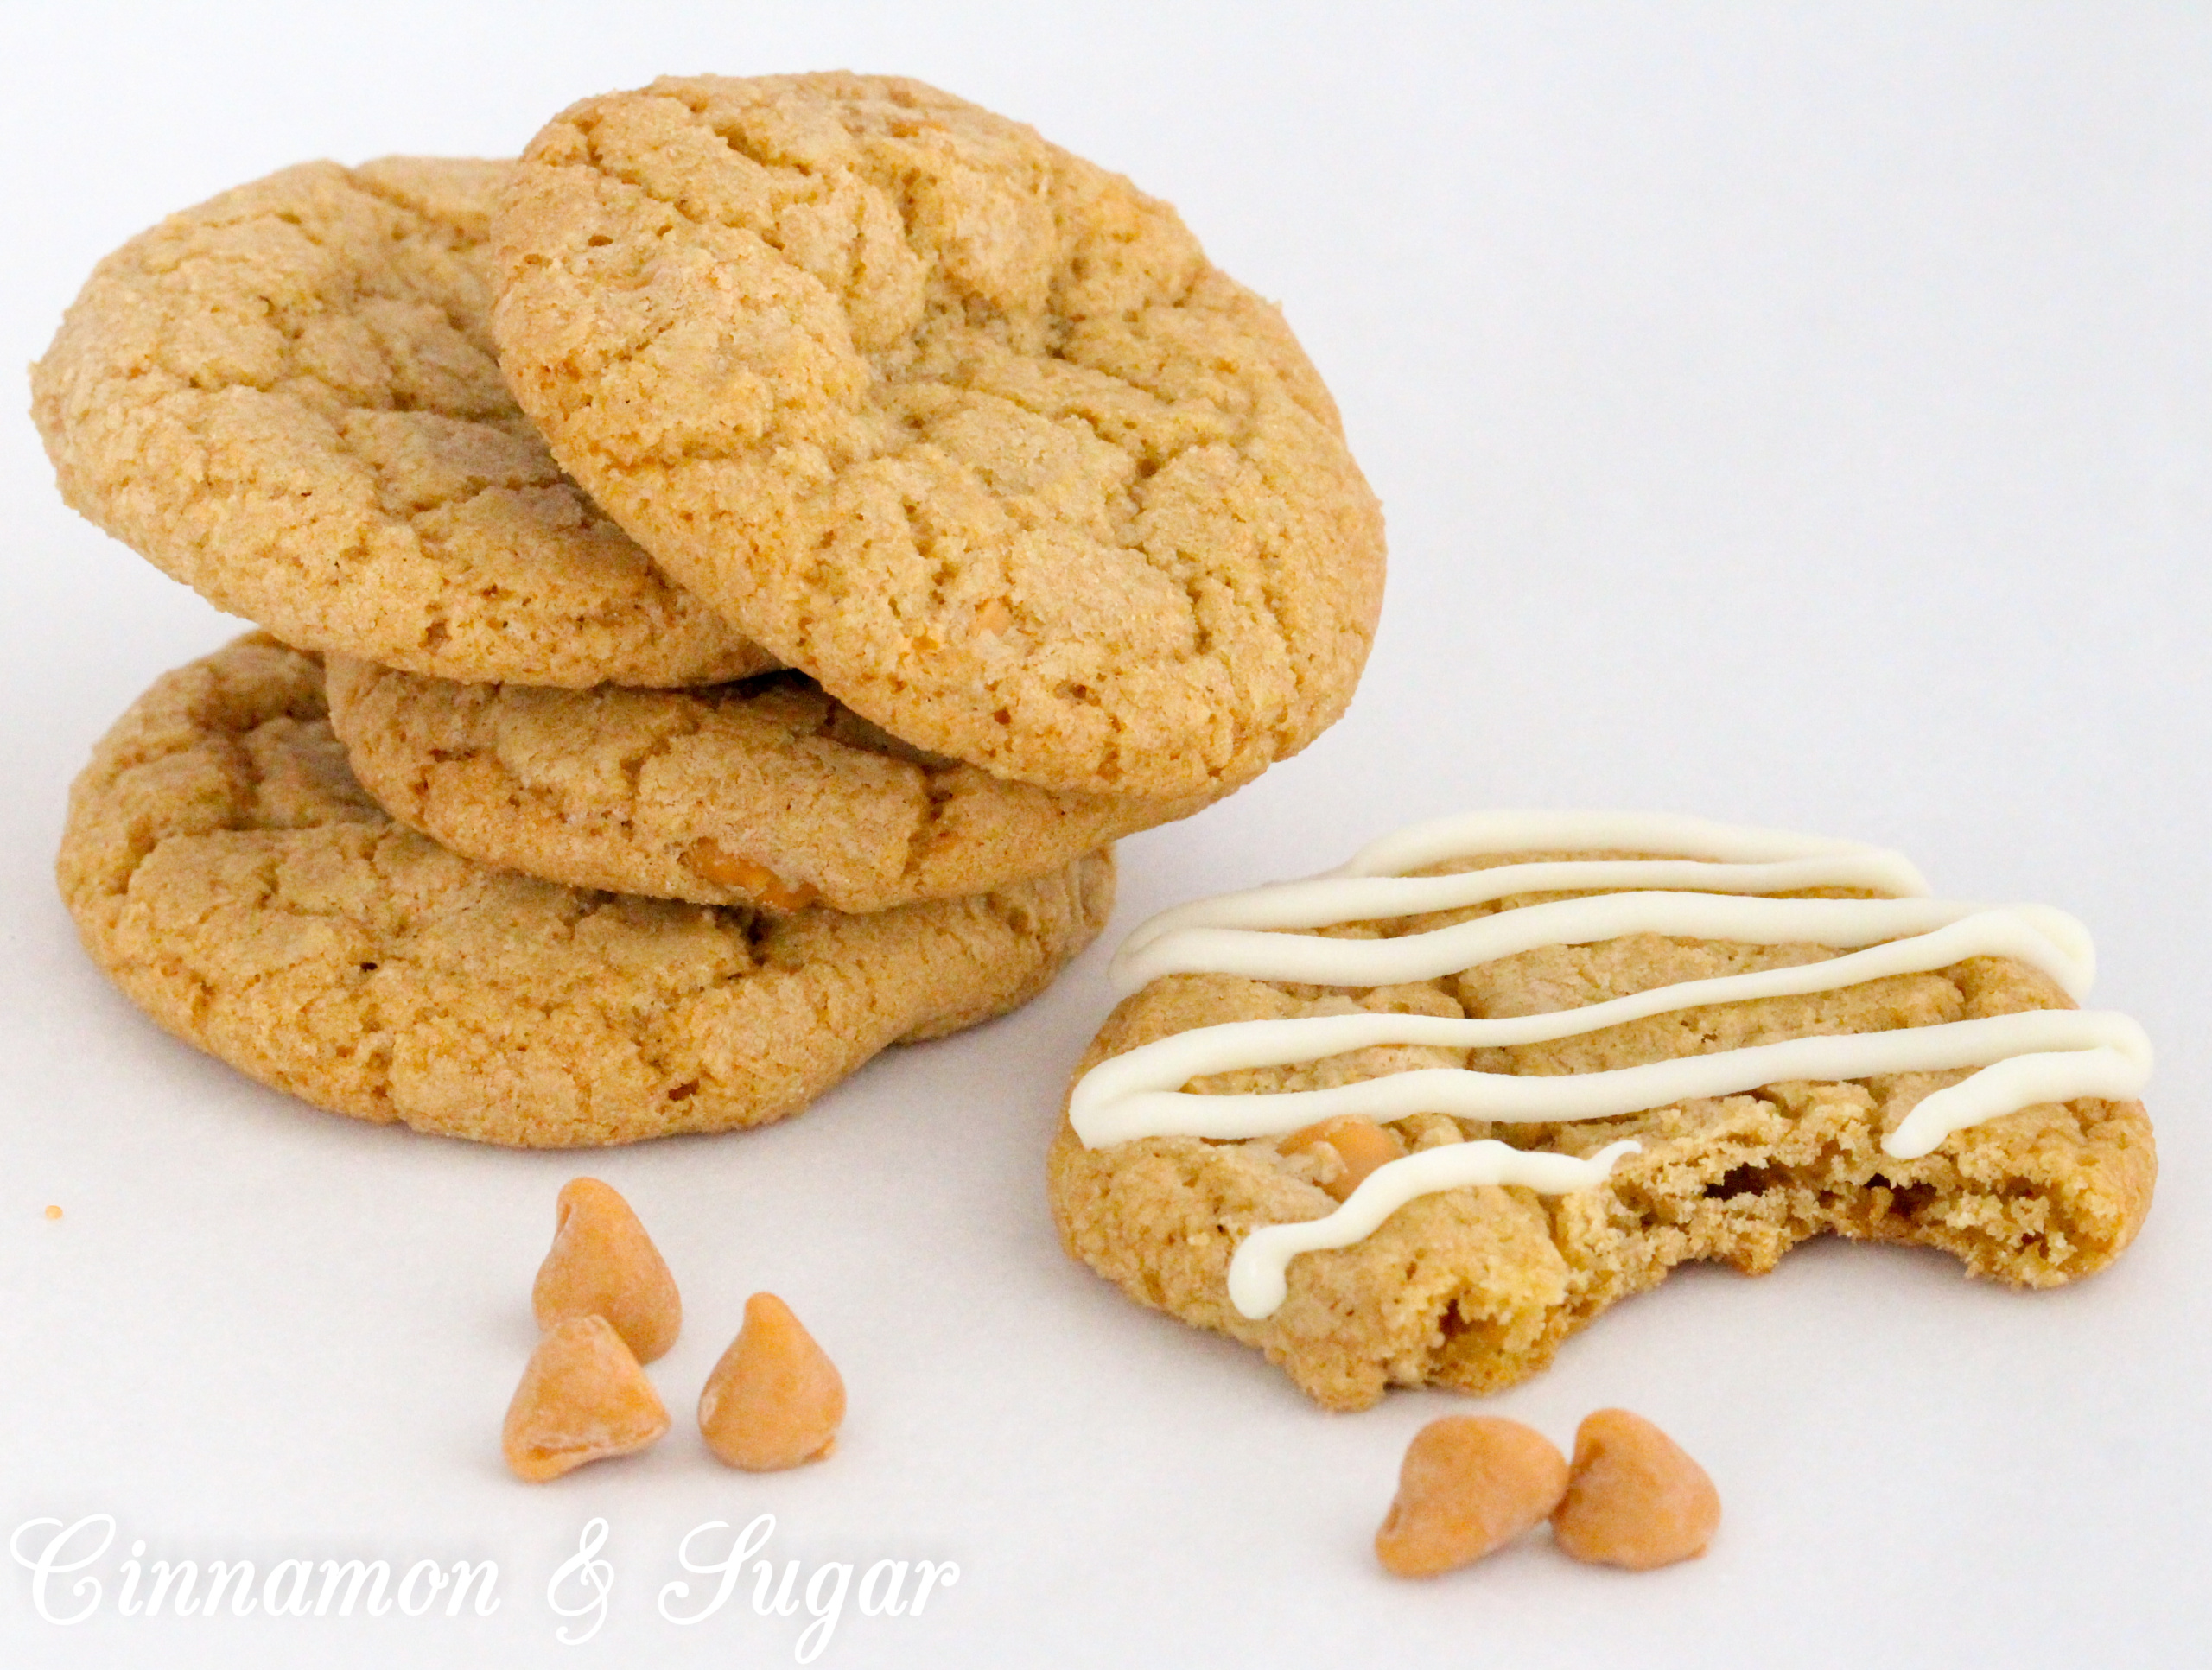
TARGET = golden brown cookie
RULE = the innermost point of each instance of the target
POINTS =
(764, 793)
(228, 873)
(287, 398)
(961, 424)
(1475, 1286)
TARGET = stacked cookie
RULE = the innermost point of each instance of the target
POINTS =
(727, 577)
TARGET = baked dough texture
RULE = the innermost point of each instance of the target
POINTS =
(765, 793)
(1476, 1288)
(964, 426)
(228, 873)
(287, 398)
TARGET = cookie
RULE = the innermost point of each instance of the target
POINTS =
(964, 426)
(228, 873)
(764, 793)
(1596, 1047)
(287, 398)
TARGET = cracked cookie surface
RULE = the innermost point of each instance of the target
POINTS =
(228, 873)
(961, 424)
(1477, 1287)
(287, 398)
(765, 793)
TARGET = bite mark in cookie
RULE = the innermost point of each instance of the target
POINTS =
(1687, 1068)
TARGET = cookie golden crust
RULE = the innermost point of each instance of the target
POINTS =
(964, 426)
(765, 793)
(228, 873)
(287, 398)
(1476, 1288)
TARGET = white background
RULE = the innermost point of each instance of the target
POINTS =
(1793, 415)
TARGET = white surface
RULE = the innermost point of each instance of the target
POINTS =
(1795, 415)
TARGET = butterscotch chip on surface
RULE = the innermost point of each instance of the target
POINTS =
(775, 1399)
(1469, 1485)
(603, 1263)
(965, 425)
(584, 1398)
(1633, 1497)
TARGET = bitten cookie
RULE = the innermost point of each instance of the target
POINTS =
(1421, 1119)
(961, 424)
(228, 873)
(764, 793)
(286, 397)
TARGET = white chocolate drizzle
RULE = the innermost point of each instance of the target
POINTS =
(1259, 1282)
(1715, 890)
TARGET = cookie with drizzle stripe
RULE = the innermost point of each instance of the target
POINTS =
(1690, 879)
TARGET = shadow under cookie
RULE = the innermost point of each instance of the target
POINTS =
(228, 873)
(764, 793)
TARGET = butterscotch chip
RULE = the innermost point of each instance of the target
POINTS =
(1633, 1497)
(286, 397)
(965, 426)
(1360, 1147)
(582, 1398)
(775, 1399)
(765, 792)
(226, 871)
(706, 859)
(603, 1263)
(1469, 1485)
(53, 1212)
